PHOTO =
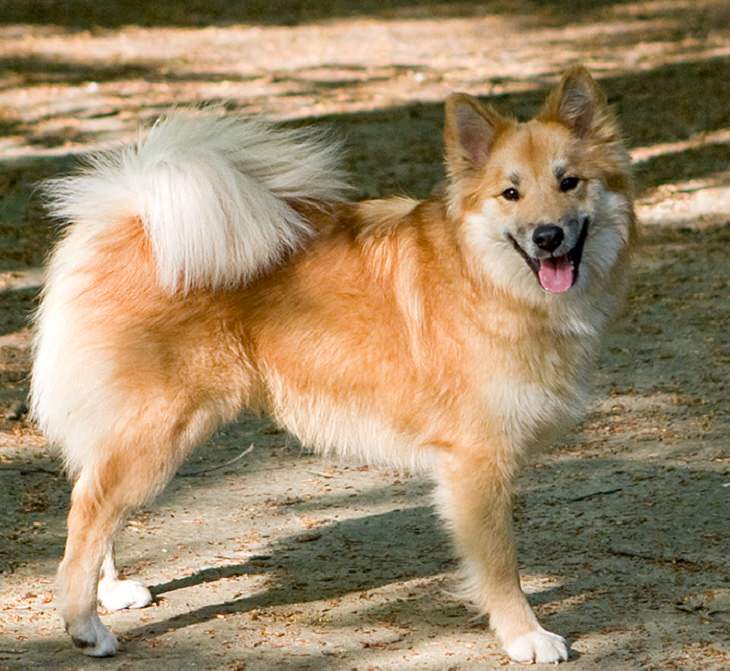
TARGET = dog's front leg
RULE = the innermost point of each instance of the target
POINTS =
(475, 496)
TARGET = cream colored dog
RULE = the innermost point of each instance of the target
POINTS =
(214, 266)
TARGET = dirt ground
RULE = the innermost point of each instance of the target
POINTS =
(279, 560)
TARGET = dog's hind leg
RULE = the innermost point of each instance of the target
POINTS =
(128, 471)
(97, 508)
(475, 497)
(116, 594)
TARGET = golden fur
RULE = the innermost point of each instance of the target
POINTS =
(389, 336)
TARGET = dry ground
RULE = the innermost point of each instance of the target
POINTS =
(281, 561)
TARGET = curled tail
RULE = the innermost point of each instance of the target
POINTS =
(214, 197)
(213, 193)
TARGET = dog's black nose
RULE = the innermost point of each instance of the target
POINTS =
(548, 237)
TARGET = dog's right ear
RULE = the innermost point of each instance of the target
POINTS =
(578, 103)
(470, 129)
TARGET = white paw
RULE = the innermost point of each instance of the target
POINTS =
(539, 646)
(93, 638)
(120, 594)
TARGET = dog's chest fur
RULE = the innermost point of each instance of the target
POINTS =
(530, 374)
(536, 393)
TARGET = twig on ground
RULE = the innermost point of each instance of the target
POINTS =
(205, 471)
(25, 470)
(672, 561)
(322, 474)
(602, 492)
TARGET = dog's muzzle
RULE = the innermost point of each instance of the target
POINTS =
(556, 274)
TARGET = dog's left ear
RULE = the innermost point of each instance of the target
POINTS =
(577, 102)
(470, 130)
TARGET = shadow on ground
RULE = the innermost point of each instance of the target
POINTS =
(398, 149)
(623, 531)
(86, 14)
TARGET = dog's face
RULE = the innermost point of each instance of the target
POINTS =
(545, 205)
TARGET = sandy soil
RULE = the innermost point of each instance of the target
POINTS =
(282, 561)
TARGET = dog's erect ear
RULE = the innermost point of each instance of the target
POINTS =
(470, 129)
(577, 102)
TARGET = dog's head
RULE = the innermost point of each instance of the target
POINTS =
(544, 206)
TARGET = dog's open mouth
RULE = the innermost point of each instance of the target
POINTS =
(556, 274)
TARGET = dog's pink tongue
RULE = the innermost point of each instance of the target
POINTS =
(556, 274)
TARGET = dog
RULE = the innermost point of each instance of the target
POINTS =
(217, 265)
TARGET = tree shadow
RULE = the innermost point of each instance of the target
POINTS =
(654, 106)
(351, 555)
(403, 159)
(87, 14)
(16, 307)
(668, 358)
(373, 551)
(605, 557)
(687, 165)
(36, 70)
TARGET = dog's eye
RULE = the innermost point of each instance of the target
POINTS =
(568, 183)
(511, 194)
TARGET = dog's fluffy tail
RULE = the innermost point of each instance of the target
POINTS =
(213, 193)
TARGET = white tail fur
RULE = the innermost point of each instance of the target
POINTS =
(212, 192)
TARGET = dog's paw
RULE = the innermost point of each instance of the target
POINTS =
(538, 646)
(93, 638)
(120, 594)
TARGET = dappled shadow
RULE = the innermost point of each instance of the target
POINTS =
(352, 555)
(671, 341)
(622, 534)
(33, 504)
(685, 276)
(646, 89)
(34, 70)
(655, 105)
(684, 166)
(671, 101)
(603, 556)
(58, 655)
(84, 14)
(593, 526)
(16, 307)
